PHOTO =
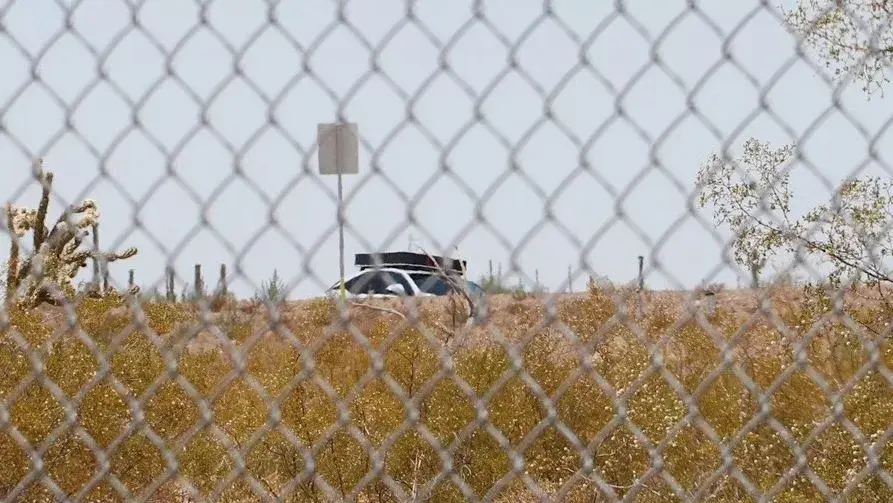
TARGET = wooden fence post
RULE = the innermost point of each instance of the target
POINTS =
(199, 284)
(169, 285)
(710, 298)
(639, 287)
(97, 275)
(223, 288)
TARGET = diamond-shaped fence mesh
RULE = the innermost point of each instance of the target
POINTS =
(725, 149)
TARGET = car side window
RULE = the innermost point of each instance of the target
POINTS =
(475, 289)
(364, 283)
(431, 283)
(376, 282)
(390, 278)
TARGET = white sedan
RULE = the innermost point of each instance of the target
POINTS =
(387, 282)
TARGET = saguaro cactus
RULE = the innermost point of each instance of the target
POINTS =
(52, 265)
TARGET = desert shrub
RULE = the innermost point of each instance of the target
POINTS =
(588, 317)
(222, 301)
(322, 311)
(27, 323)
(621, 355)
(271, 291)
(234, 324)
(151, 295)
(104, 318)
(715, 287)
(163, 317)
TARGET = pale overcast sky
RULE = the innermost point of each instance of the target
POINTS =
(445, 100)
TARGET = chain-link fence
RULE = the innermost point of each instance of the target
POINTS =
(522, 133)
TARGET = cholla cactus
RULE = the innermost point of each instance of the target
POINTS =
(57, 256)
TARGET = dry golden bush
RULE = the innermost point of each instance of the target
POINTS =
(140, 344)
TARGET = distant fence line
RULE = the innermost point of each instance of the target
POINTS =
(493, 280)
(198, 286)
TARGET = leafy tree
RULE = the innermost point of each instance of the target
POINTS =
(752, 197)
(742, 192)
(852, 38)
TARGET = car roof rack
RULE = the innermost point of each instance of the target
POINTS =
(409, 261)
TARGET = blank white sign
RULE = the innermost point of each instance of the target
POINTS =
(339, 147)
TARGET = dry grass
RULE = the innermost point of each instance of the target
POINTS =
(276, 355)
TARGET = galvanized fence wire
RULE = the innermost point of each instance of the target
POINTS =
(588, 468)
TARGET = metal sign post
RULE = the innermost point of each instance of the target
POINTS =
(339, 148)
